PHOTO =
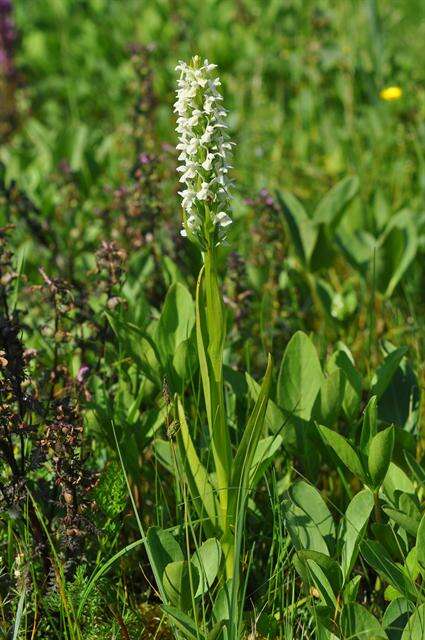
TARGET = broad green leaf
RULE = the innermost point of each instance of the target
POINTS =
(357, 623)
(369, 426)
(386, 535)
(177, 320)
(395, 481)
(353, 527)
(207, 560)
(309, 521)
(343, 450)
(163, 549)
(332, 207)
(380, 453)
(376, 555)
(324, 253)
(300, 376)
(395, 617)
(184, 362)
(301, 228)
(386, 370)
(328, 402)
(181, 580)
(222, 607)
(201, 489)
(415, 628)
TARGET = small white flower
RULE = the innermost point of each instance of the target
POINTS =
(222, 219)
(207, 163)
(203, 192)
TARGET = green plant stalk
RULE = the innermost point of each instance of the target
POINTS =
(210, 328)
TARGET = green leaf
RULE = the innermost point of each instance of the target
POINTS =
(353, 385)
(385, 372)
(301, 228)
(396, 250)
(408, 514)
(163, 549)
(184, 623)
(415, 628)
(326, 574)
(181, 580)
(395, 481)
(343, 450)
(201, 489)
(328, 402)
(332, 207)
(207, 560)
(177, 320)
(420, 542)
(395, 617)
(308, 519)
(417, 469)
(353, 527)
(358, 624)
(380, 454)
(263, 457)
(300, 376)
(376, 555)
(369, 426)
(245, 453)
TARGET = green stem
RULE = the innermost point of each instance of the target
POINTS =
(377, 507)
(213, 335)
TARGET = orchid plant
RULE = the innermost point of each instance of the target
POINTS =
(219, 494)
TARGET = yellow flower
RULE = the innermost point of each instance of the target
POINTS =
(391, 93)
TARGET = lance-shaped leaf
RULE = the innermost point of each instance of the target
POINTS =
(380, 454)
(377, 556)
(201, 489)
(325, 573)
(420, 544)
(343, 450)
(243, 461)
(352, 529)
(386, 370)
(301, 228)
(369, 426)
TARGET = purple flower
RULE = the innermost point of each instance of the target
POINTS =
(82, 373)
